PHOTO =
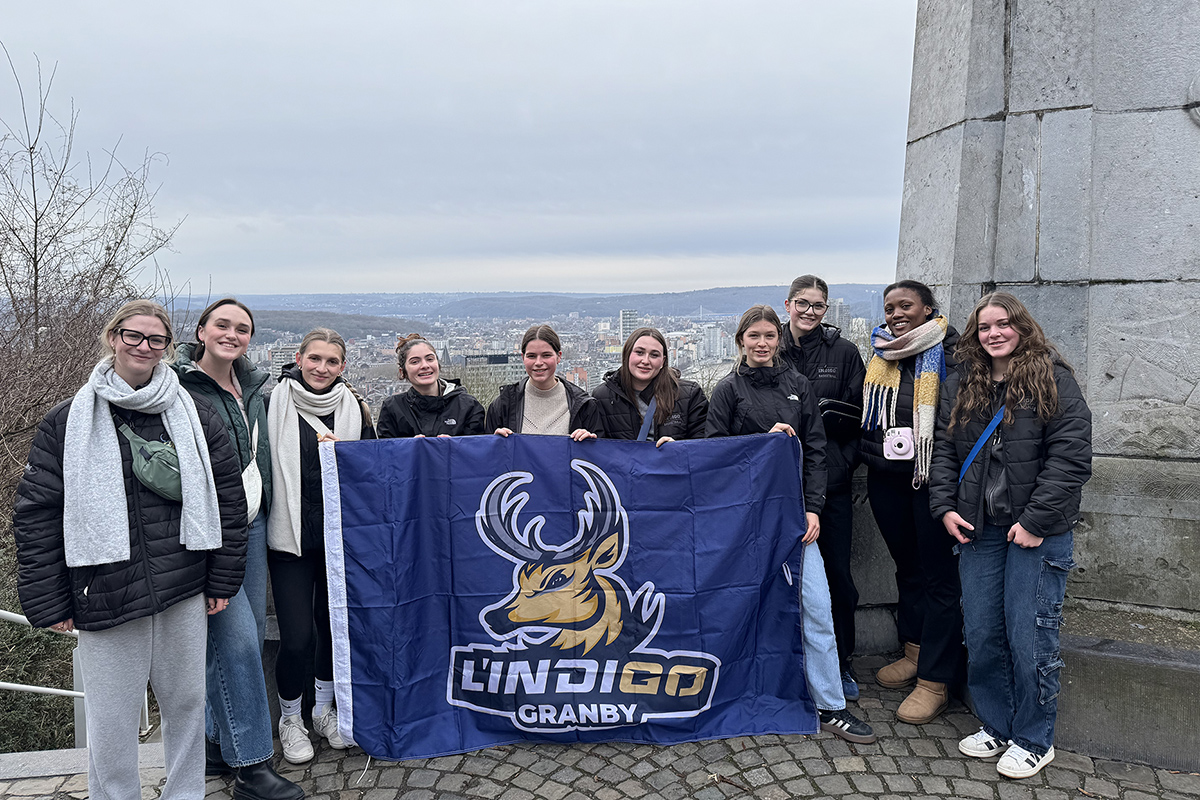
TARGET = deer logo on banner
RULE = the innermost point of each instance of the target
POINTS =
(571, 646)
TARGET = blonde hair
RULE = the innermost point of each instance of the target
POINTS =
(138, 308)
(327, 335)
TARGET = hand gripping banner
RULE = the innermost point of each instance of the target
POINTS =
(485, 590)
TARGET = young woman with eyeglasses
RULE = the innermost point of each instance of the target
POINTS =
(835, 370)
(433, 406)
(240, 731)
(764, 394)
(312, 403)
(913, 350)
(130, 556)
(1012, 510)
(646, 377)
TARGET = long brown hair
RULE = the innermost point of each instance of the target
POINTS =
(1030, 379)
(665, 383)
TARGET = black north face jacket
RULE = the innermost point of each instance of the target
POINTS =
(451, 413)
(752, 400)
(623, 420)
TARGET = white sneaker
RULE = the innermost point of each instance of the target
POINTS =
(326, 724)
(1017, 762)
(297, 748)
(981, 744)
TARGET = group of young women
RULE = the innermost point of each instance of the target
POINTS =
(988, 434)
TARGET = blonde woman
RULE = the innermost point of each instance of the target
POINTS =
(133, 558)
(311, 403)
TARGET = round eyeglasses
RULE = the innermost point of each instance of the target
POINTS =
(802, 306)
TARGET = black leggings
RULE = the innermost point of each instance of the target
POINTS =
(302, 609)
(837, 529)
(929, 610)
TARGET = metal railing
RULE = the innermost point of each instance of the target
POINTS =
(78, 688)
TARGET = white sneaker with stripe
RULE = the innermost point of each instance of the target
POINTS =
(981, 744)
(1017, 762)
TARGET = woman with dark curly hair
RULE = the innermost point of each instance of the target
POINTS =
(1013, 450)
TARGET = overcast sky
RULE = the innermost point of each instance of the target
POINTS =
(496, 145)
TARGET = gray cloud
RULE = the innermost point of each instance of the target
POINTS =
(427, 139)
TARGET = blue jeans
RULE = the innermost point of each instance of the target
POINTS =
(237, 715)
(821, 666)
(1012, 610)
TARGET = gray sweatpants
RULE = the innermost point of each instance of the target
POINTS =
(167, 650)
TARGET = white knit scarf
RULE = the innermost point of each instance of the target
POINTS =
(283, 426)
(95, 511)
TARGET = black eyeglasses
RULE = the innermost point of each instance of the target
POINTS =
(804, 306)
(135, 338)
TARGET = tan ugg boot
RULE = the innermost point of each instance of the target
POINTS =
(924, 703)
(900, 674)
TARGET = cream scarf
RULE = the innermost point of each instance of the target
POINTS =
(289, 402)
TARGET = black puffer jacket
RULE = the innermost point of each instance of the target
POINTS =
(312, 500)
(752, 400)
(160, 571)
(507, 410)
(451, 413)
(623, 420)
(1045, 465)
(871, 447)
(835, 370)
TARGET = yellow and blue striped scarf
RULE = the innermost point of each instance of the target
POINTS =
(883, 383)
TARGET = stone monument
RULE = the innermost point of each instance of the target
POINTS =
(1054, 152)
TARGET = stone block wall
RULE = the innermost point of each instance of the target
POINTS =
(1054, 152)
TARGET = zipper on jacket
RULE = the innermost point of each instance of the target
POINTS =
(137, 512)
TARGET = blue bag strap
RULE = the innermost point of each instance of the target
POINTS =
(983, 437)
(648, 420)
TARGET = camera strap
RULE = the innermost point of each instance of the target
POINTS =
(983, 437)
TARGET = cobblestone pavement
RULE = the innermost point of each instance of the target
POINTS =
(907, 761)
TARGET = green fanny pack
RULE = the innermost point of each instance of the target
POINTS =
(155, 464)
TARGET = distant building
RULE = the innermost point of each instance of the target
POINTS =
(714, 342)
(492, 369)
(629, 322)
(838, 313)
(281, 356)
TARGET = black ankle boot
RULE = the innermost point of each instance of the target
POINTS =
(261, 782)
(214, 762)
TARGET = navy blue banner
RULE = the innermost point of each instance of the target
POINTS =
(485, 590)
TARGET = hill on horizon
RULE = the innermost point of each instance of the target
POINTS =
(723, 301)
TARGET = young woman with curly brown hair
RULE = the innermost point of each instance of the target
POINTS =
(1013, 450)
